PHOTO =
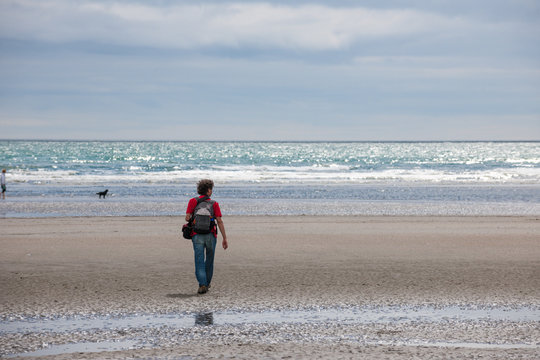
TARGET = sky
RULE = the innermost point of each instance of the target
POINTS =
(271, 70)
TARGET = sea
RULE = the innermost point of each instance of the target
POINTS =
(157, 178)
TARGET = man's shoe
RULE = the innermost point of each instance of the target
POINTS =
(202, 290)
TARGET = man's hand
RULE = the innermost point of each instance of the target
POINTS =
(221, 227)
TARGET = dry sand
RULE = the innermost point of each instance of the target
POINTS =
(125, 265)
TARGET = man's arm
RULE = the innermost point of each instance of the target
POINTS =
(221, 226)
(190, 208)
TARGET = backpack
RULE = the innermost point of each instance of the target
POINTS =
(203, 216)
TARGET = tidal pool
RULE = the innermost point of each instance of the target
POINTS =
(355, 315)
(367, 315)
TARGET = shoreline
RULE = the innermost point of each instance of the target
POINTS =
(277, 208)
(111, 267)
(277, 216)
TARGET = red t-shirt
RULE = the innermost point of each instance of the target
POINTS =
(193, 203)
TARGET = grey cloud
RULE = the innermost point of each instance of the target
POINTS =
(262, 25)
(319, 69)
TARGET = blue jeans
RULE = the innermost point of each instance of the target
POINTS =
(204, 244)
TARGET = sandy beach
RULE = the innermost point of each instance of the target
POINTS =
(119, 266)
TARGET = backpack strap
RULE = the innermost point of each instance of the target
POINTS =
(204, 198)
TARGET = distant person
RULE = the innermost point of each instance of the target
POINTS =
(204, 213)
(3, 183)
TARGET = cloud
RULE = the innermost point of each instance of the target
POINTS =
(450, 67)
(234, 25)
(268, 70)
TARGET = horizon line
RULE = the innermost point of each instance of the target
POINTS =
(273, 141)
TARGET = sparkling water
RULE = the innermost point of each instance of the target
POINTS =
(61, 178)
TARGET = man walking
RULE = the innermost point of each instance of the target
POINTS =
(204, 213)
(3, 183)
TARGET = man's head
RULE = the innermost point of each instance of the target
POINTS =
(204, 186)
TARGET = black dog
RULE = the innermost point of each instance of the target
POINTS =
(102, 193)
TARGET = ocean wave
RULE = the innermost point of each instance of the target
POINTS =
(83, 163)
(267, 174)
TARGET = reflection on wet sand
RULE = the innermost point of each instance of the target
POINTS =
(204, 319)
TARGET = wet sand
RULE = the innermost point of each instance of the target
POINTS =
(97, 266)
